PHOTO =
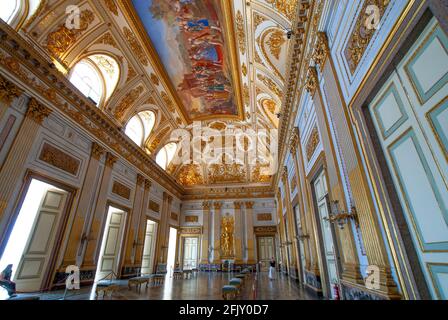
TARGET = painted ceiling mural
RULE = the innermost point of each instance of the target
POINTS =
(222, 62)
(189, 38)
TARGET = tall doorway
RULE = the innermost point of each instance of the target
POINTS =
(190, 248)
(111, 244)
(328, 247)
(265, 251)
(410, 119)
(149, 247)
(172, 249)
(31, 244)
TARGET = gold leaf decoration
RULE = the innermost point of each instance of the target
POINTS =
(190, 175)
(128, 101)
(112, 6)
(135, 46)
(275, 42)
(268, 82)
(59, 41)
(241, 36)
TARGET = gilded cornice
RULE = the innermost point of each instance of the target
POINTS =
(27, 65)
(305, 27)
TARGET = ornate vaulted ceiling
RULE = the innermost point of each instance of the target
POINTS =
(237, 49)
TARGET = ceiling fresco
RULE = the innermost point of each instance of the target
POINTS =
(189, 37)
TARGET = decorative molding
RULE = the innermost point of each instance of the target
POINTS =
(110, 160)
(191, 231)
(8, 91)
(121, 190)
(97, 151)
(135, 45)
(37, 112)
(59, 159)
(59, 41)
(127, 102)
(265, 230)
(191, 219)
(312, 80)
(361, 35)
(112, 6)
(154, 206)
(264, 217)
(240, 34)
(322, 51)
(313, 142)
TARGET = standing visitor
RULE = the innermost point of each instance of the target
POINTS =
(272, 269)
(5, 281)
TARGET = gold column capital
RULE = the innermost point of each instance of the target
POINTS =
(36, 111)
(294, 140)
(140, 180)
(312, 80)
(217, 205)
(167, 196)
(97, 151)
(285, 175)
(238, 204)
(249, 204)
(110, 160)
(8, 91)
(322, 50)
(148, 184)
(206, 205)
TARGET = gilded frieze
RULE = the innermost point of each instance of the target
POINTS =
(59, 159)
(362, 33)
(240, 32)
(121, 190)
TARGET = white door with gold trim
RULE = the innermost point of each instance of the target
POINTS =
(321, 190)
(37, 253)
(265, 251)
(410, 115)
(149, 247)
(111, 244)
(190, 253)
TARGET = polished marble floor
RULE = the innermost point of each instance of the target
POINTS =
(205, 286)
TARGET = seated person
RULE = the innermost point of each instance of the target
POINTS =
(5, 281)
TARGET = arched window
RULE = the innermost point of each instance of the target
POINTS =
(96, 77)
(140, 126)
(9, 10)
(166, 155)
(16, 12)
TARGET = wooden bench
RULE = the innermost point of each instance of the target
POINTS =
(158, 279)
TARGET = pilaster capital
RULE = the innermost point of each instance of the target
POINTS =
(249, 204)
(110, 160)
(206, 205)
(8, 91)
(312, 80)
(294, 141)
(97, 151)
(36, 111)
(167, 196)
(322, 50)
(148, 184)
(140, 180)
(217, 205)
(238, 204)
(285, 175)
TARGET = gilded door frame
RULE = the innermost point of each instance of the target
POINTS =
(404, 34)
(62, 231)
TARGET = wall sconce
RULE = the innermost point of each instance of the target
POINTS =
(86, 238)
(342, 217)
(136, 244)
(301, 236)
